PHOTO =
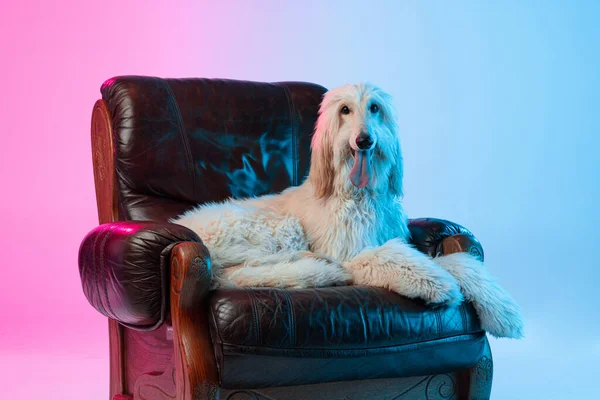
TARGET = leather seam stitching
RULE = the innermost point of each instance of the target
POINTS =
(95, 273)
(184, 136)
(438, 319)
(295, 160)
(218, 360)
(165, 284)
(255, 318)
(463, 317)
(108, 232)
(291, 318)
(397, 346)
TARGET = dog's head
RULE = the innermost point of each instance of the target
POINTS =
(356, 143)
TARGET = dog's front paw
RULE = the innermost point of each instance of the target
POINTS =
(501, 319)
(437, 287)
(405, 270)
(345, 277)
(442, 290)
(445, 293)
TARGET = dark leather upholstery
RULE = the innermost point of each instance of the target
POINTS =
(312, 321)
(356, 325)
(240, 371)
(428, 235)
(179, 142)
(124, 268)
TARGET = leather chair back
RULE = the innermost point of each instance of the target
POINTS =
(180, 142)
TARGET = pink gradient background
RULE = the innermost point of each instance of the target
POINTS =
(472, 82)
(55, 55)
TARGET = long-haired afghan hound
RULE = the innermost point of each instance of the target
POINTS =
(345, 224)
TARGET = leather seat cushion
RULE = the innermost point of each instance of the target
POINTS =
(277, 337)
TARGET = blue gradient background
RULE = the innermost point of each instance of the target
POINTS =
(499, 111)
(498, 105)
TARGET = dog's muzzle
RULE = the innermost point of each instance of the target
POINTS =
(364, 141)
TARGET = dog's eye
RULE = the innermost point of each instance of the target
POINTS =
(374, 108)
(345, 110)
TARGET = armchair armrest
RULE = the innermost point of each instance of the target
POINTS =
(125, 267)
(436, 237)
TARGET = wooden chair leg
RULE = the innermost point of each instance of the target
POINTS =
(195, 368)
(115, 334)
(476, 383)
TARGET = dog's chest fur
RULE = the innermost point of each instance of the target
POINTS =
(347, 225)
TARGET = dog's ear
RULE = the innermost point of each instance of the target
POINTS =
(322, 172)
(397, 171)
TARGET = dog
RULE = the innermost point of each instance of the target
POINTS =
(345, 223)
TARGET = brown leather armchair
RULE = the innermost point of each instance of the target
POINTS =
(160, 146)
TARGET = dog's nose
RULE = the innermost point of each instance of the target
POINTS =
(364, 141)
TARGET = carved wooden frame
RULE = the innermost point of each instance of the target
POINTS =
(106, 202)
(153, 366)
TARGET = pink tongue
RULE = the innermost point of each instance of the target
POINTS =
(361, 170)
